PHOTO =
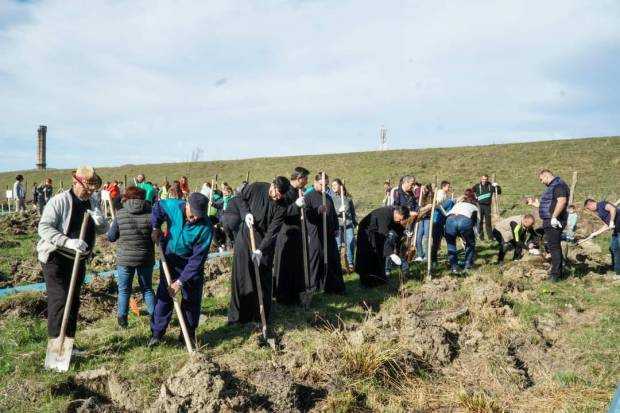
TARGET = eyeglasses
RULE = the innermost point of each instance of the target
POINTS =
(88, 187)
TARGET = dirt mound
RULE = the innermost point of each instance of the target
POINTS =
(218, 266)
(199, 386)
(20, 223)
(98, 298)
(98, 390)
(587, 223)
(277, 383)
(24, 271)
(105, 255)
(24, 305)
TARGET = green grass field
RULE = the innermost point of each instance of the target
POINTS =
(540, 346)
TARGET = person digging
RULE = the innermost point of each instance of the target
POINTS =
(516, 233)
(186, 247)
(610, 215)
(60, 243)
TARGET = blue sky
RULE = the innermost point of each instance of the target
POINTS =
(148, 81)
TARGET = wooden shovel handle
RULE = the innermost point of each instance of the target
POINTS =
(73, 282)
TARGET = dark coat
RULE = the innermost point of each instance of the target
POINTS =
(132, 232)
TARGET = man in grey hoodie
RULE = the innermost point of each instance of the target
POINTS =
(59, 232)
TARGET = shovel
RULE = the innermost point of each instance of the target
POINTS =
(325, 258)
(305, 296)
(343, 249)
(58, 355)
(259, 292)
(177, 306)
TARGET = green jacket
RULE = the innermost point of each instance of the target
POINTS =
(150, 191)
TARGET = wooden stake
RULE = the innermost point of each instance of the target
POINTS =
(494, 200)
(344, 227)
(417, 223)
(573, 184)
(325, 256)
(247, 177)
(430, 234)
(211, 197)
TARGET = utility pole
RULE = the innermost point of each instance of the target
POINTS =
(382, 138)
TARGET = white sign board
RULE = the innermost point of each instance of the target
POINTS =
(9, 194)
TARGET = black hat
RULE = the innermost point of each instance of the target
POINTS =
(198, 204)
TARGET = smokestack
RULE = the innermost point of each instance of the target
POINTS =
(41, 136)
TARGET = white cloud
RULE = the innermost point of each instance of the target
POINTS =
(144, 80)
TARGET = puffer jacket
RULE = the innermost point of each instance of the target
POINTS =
(132, 232)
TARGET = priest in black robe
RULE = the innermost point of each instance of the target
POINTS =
(288, 263)
(332, 281)
(262, 206)
(377, 237)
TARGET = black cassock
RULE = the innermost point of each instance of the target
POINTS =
(288, 270)
(371, 250)
(332, 282)
(268, 218)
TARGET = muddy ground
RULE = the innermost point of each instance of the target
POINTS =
(448, 344)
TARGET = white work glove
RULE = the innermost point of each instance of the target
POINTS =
(341, 209)
(300, 202)
(494, 183)
(408, 233)
(249, 220)
(534, 251)
(555, 223)
(76, 245)
(396, 259)
(97, 217)
(611, 225)
(256, 256)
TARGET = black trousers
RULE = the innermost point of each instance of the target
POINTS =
(57, 273)
(554, 246)
(436, 244)
(505, 246)
(485, 221)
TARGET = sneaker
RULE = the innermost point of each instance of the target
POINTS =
(153, 342)
(122, 321)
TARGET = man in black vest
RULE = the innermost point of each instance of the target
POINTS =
(552, 208)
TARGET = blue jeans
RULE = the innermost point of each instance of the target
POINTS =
(459, 225)
(125, 281)
(421, 243)
(614, 248)
(350, 247)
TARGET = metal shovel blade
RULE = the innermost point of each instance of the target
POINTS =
(269, 340)
(58, 357)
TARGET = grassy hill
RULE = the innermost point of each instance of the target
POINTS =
(597, 161)
(488, 341)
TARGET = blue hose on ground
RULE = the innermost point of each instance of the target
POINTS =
(40, 287)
